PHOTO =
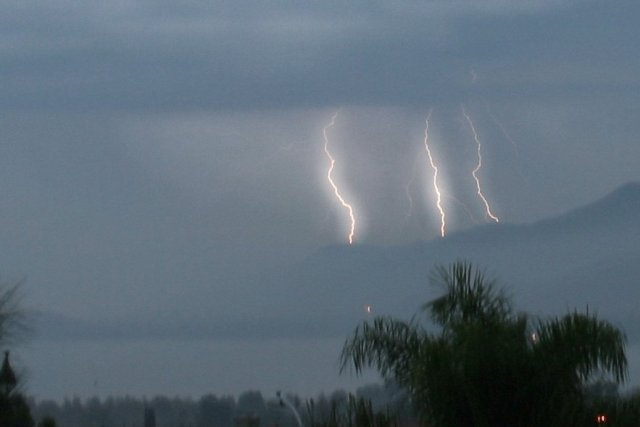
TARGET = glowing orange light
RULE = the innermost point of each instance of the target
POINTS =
(332, 161)
(478, 167)
(435, 176)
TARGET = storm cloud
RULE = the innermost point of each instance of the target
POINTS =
(160, 159)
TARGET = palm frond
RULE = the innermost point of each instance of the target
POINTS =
(388, 345)
(583, 345)
(469, 295)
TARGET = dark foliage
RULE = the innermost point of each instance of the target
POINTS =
(488, 365)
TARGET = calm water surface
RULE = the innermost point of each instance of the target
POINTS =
(58, 369)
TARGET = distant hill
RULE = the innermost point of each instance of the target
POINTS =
(588, 257)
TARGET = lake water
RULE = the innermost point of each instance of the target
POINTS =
(58, 369)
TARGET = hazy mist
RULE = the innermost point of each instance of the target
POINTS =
(164, 177)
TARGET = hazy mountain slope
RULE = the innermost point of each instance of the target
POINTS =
(589, 256)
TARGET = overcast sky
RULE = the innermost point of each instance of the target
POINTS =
(154, 152)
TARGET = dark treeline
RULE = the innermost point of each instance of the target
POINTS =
(222, 411)
(389, 406)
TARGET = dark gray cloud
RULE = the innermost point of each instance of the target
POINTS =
(159, 159)
(139, 133)
(159, 57)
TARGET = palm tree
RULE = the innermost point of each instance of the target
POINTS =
(487, 365)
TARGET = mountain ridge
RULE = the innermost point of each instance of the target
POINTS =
(547, 266)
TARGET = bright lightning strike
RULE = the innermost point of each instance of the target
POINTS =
(332, 161)
(435, 176)
(478, 167)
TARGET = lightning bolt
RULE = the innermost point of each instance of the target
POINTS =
(407, 190)
(503, 130)
(464, 206)
(332, 162)
(435, 176)
(508, 137)
(478, 167)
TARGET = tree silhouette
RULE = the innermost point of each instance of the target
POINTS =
(487, 365)
(14, 411)
(149, 417)
(12, 316)
(47, 422)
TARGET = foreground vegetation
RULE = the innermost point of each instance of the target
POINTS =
(486, 365)
(375, 405)
(371, 404)
(473, 361)
(14, 410)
